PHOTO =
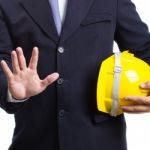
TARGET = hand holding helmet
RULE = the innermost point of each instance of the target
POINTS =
(119, 81)
(142, 102)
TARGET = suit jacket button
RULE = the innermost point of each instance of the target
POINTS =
(61, 113)
(60, 80)
(61, 50)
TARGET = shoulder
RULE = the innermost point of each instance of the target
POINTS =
(10, 7)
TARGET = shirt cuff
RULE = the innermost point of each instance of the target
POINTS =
(13, 100)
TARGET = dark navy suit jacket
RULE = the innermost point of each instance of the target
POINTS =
(65, 116)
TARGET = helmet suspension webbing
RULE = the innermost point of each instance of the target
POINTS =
(116, 84)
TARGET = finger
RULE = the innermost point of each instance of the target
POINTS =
(133, 112)
(34, 58)
(145, 100)
(6, 69)
(49, 79)
(136, 109)
(21, 58)
(15, 63)
(145, 85)
(129, 112)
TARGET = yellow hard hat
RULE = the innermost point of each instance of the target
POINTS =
(120, 75)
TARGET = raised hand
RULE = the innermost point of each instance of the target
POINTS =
(24, 81)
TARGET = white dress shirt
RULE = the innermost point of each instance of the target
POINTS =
(62, 11)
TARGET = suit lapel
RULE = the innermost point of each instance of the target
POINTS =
(76, 11)
(41, 13)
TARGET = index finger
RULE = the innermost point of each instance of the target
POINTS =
(145, 100)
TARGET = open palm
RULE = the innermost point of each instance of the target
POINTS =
(24, 81)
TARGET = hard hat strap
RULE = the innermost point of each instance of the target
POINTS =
(116, 84)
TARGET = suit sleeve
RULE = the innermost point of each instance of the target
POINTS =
(6, 47)
(131, 33)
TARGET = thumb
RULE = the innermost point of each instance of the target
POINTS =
(50, 79)
(145, 85)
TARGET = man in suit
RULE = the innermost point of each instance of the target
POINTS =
(63, 116)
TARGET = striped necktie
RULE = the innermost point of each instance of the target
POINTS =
(56, 14)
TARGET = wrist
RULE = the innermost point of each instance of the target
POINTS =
(10, 98)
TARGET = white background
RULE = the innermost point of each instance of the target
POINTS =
(138, 126)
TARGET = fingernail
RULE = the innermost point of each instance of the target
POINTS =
(35, 47)
(55, 75)
(2, 61)
(18, 48)
(142, 85)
